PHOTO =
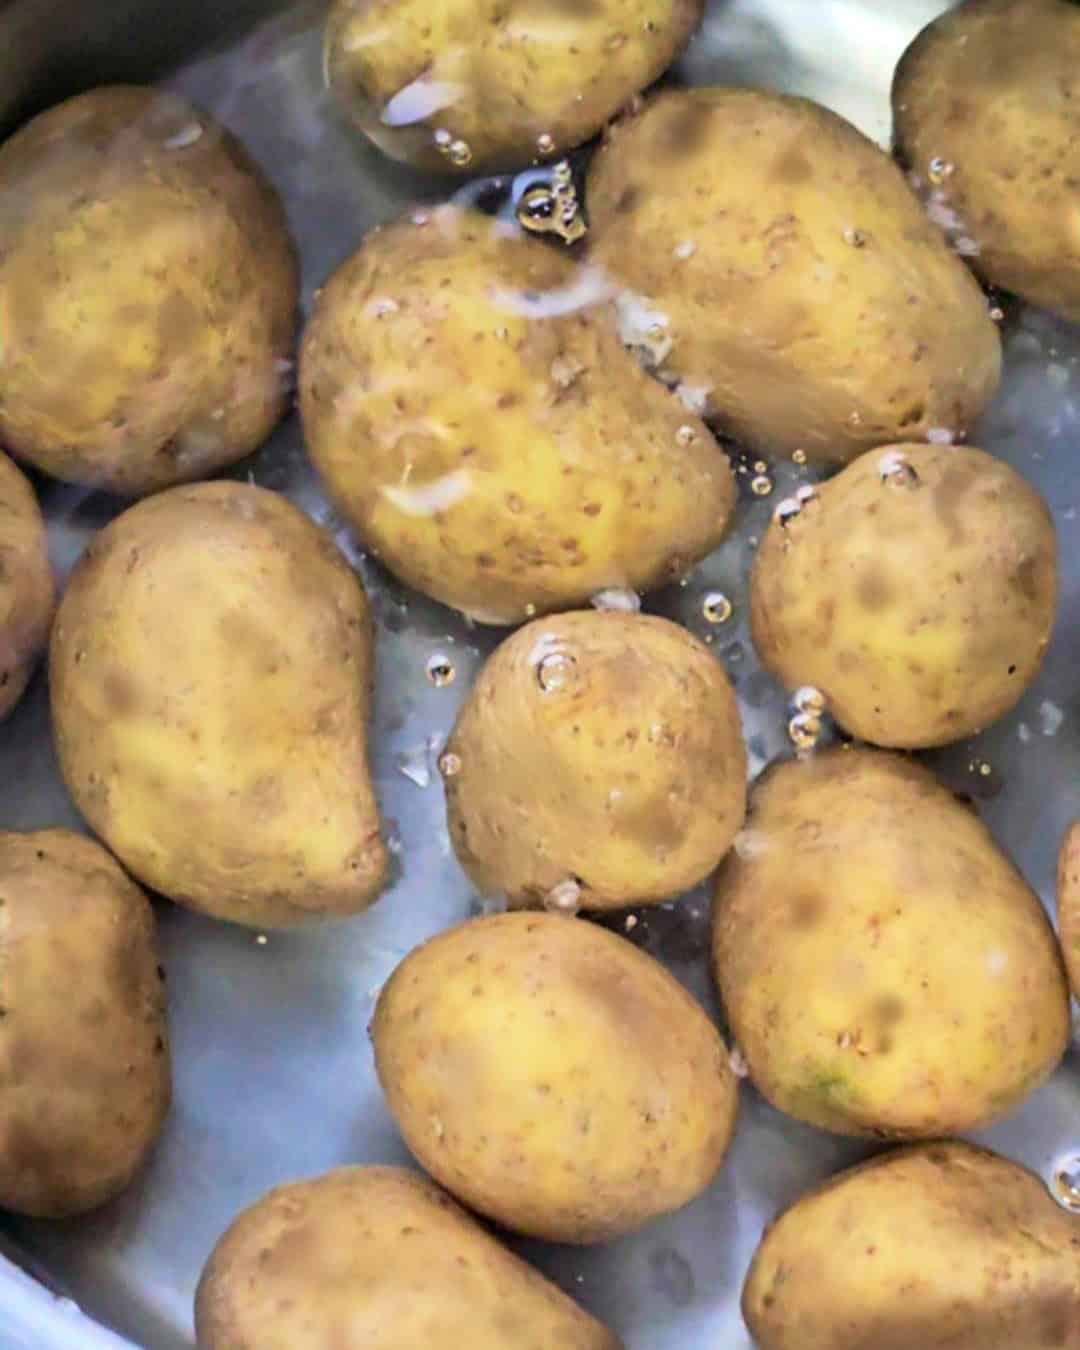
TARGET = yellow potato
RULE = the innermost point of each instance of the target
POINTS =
(885, 969)
(786, 275)
(987, 109)
(936, 1247)
(916, 590)
(27, 593)
(84, 1056)
(210, 674)
(375, 1258)
(148, 292)
(502, 462)
(1068, 902)
(553, 1077)
(487, 85)
(598, 756)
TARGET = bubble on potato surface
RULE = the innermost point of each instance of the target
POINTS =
(565, 898)
(939, 169)
(450, 765)
(555, 671)
(618, 598)
(804, 731)
(894, 468)
(717, 608)
(643, 328)
(545, 143)
(686, 436)
(1065, 1183)
(738, 1064)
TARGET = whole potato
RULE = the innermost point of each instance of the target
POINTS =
(27, 593)
(987, 109)
(489, 85)
(934, 1247)
(471, 410)
(553, 1077)
(148, 291)
(1068, 902)
(785, 274)
(84, 1056)
(916, 590)
(375, 1258)
(885, 969)
(599, 753)
(210, 674)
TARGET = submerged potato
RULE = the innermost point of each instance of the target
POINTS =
(787, 276)
(885, 968)
(376, 1258)
(84, 1057)
(148, 291)
(1068, 902)
(210, 673)
(27, 592)
(553, 1077)
(916, 590)
(486, 85)
(472, 412)
(987, 109)
(937, 1247)
(600, 754)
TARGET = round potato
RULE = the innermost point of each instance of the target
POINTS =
(885, 969)
(472, 412)
(84, 1056)
(941, 1247)
(916, 590)
(1068, 902)
(785, 275)
(210, 673)
(553, 1077)
(490, 85)
(375, 1258)
(148, 292)
(987, 110)
(27, 592)
(598, 756)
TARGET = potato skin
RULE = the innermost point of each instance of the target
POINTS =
(917, 591)
(210, 672)
(148, 293)
(553, 1077)
(991, 90)
(885, 969)
(517, 82)
(939, 1246)
(377, 1258)
(803, 285)
(601, 747)
(1068, 902)
(506, 465)
(84, 1058)
(27, 591)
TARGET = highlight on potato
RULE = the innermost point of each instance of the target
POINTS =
(27, 590)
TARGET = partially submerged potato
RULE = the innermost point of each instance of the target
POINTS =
(377, 1258)
(210, 674)
(600, 756)
(941, 1246)
(488, 85)
(84, 1056)
(1068, 902)
(472, 412)
(916, 590)
(987, 108)
(148, 292)
(553, 1077)
(885, 968)
(782, 271)
(27, 593)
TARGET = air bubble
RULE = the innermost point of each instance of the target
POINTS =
(938, 170)
(786, 511)
(894, 468)
(565, 898)
(1065, 1185)
(717, 608)
(810, 700)
(804, 729)
(440, 670)
(737, 1061)
(460, 154)
(686, 436)
(856, 238)
(450, 765)
(619, 598)
(761, 485)
(799, 456)
(545, 143)
(555, 672)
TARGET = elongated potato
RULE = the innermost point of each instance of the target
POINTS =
(27, 592)
(1068, 902)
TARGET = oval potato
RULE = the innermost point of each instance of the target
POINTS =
(27, 591)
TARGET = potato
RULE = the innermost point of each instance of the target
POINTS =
(148, 291)
(210, 674)
(787, 276)
(885, 969)
(27, 593)
(598, 756)
(1068, 902)
(84, 1057)
(933, 1247)
(552, 1076)
(375, 1258)
(467, 401)
(490, 85)
(916, 590)
(987, 110)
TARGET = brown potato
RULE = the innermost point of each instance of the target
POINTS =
(600, 753)
(1068, 902)
(84, 1056)
(27, 592)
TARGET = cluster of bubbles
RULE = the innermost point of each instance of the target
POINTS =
(553, 207)
(453, 148)
(807, 722)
